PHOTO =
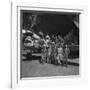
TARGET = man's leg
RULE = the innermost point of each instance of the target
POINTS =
(66, 62)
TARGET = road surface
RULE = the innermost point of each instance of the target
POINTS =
(35, 69)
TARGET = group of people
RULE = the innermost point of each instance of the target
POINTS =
(54, 51)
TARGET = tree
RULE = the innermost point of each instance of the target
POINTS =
(69, 38)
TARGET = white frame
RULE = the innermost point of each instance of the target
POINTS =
(15, 42)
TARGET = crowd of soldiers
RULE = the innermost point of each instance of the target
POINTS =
(54, 51)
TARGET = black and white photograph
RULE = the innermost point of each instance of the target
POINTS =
(45, 45)
(49, 43)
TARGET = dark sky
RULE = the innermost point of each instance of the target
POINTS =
(52, 22)
(57, 24)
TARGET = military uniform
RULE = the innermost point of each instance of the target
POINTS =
(59, 54)
(43, 54)
(66, 53)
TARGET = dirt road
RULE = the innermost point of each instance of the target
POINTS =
(35, 69)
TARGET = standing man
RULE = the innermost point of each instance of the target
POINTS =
(59, 54)
(43, 54)
(67, 51)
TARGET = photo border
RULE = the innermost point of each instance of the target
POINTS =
(15, 62)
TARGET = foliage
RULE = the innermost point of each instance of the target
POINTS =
(68, 38)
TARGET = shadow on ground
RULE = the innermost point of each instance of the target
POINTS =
(70, 61)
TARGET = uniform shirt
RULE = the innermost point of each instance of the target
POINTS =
(60, 52)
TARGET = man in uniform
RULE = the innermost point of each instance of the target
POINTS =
(43, 50)
(48, 49)
(59, 53)
(43, 54)
(66, 53)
